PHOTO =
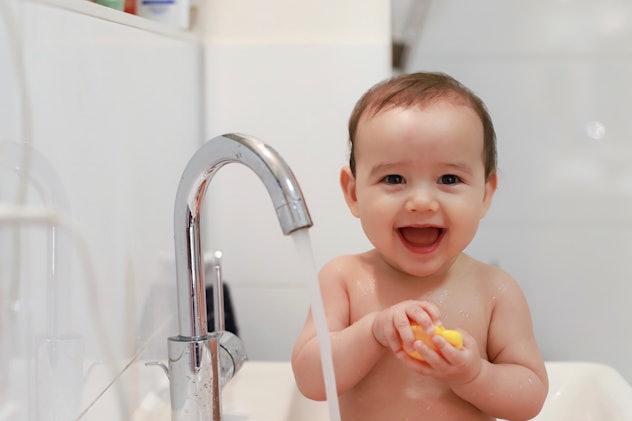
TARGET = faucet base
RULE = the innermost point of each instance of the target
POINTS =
(195, 380)
(198, 370)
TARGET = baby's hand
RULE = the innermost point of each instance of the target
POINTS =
(447, 363)
(391, 327)
(453, 337)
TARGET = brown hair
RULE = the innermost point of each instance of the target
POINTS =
(418, 89)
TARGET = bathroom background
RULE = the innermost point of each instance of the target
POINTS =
(114, 105)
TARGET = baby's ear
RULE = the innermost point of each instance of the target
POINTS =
(348, 185)
(490, 189)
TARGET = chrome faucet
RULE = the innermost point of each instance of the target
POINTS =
(201, 362)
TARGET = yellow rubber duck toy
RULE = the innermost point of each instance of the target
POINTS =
(453, 337)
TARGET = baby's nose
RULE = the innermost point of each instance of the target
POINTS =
(422, 199)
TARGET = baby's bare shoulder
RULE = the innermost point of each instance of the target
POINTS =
(347, 264)
(491, 276)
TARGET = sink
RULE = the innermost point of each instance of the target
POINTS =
(586, 391)
(272, 395)
(265, 391)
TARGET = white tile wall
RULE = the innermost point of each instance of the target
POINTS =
(116, 114)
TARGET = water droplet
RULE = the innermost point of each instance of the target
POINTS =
(595, 130)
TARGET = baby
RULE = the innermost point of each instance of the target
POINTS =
(422, 174)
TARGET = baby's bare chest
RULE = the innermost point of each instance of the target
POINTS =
(467, 306)
(407, 397)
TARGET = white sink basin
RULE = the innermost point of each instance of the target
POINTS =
(272, 395)
(578, 391)
(586, 392)
(260, 391)
(265, 391)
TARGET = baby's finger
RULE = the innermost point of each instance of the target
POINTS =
(405, 334)
(407, 339)
(420, 316)
(430, 356)
(447, 350)
(391, 336)
(432, 310)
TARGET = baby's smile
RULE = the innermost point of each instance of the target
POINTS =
(421, 236)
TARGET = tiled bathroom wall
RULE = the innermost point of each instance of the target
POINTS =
(87, 183)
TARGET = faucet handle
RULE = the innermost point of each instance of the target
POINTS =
(232, 355)
(158, 364)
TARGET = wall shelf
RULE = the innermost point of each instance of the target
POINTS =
(88, 8)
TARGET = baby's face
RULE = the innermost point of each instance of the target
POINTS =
(420, 187)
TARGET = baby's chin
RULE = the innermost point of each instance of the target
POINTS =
(415, 268)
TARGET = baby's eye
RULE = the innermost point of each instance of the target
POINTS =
(393, 179)
(449, 179)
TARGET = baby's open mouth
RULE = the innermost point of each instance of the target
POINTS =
(421, 236)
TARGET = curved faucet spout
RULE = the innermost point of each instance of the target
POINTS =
(282, 187)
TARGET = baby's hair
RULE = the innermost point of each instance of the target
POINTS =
(419, 89)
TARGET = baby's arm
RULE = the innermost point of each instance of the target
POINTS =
(513, 384)
(355, 351)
